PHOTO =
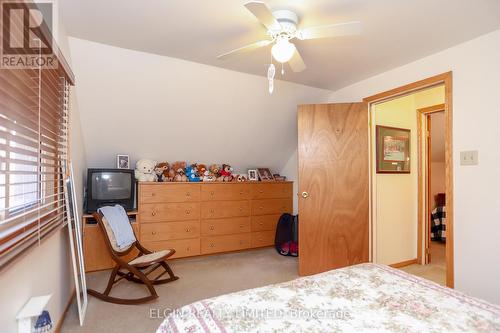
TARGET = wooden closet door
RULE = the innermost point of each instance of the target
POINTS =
(333, 186)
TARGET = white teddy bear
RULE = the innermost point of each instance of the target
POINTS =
(145, 170)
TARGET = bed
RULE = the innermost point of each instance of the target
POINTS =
(365, 297)
(438, 219)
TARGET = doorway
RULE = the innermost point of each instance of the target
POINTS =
(432, 183)
(414, 234)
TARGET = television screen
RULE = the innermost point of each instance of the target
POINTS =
(111, 185)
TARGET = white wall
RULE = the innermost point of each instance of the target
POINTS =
(151, 106)
(45, 269)
(476, 78)
(395, 195)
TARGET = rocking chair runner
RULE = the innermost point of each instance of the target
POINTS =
(136, 270)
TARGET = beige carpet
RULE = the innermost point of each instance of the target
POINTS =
(436, 270)
(200, 278)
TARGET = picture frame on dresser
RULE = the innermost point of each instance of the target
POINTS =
(253, 175)
(265, 174)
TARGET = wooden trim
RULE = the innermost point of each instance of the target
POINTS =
(409, 88)
(446, 79)
(404, 263)
(428, 202)
(57, 328)
(432, 109)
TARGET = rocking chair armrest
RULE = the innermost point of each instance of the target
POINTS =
(142, 249)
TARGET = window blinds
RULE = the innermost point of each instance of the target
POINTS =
(33, 157)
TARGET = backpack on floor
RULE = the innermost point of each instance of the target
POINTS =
(286, 240)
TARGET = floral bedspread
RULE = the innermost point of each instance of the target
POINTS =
(361, 298)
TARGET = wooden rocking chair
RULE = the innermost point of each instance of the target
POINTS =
(136, 270)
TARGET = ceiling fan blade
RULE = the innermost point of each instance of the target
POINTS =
(297, 63)
(244, 49)
(263, 14)
(331, 30)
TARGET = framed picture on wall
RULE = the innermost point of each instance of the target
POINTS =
(393, 149)
(122, 162)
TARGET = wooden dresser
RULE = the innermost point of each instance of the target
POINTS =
(205, 218)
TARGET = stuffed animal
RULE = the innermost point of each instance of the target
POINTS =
(161, 171)
(180, 171)
(215, 172)
(208, 177)
(169, 174)
(145, 170)
(226, 172)
(202, 168)
(239, 178)
(192, 173)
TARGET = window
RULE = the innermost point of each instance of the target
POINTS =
(33, 155)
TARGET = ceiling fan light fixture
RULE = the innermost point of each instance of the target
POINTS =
(283, 50)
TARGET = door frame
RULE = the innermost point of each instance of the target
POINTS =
(440, 79)
(424, 180)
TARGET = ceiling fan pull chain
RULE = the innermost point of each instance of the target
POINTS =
(270, 76)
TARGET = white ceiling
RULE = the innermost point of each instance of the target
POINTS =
(395, 32)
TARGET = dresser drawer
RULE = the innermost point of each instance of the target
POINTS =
(262, 238)
(183, 247)
(221, 209)
(183, 211)
(272, 190)
(271, 206)
(216, 244)
(169, 192)
(265, 222)
(169, 230)
(226, 226)
(229, 191)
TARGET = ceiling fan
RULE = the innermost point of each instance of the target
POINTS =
(282, 27)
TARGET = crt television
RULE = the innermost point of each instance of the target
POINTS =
(110, 187)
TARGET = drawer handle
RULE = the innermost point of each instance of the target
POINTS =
(241, 242)
(241, 192)
(188, 230)
(188, 249)
(261, 223)
(153, 213)
(261, 207)
(261, 191)
(153, 232)
(212, 193)
(153, 194)
(188, 194)
(212, 227)
(211, 211)
(188, 212)
(212, 244)
(241, 209)
(242, 225)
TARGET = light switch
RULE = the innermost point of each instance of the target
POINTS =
(469, 157)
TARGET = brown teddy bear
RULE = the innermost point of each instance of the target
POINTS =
(226, 173)
(169, 174)
(202, 168)
(161, 171)
(180, 171)
(214, 172)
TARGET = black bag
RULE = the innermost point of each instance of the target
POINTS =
(286, 241)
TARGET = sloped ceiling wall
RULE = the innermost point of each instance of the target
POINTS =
(151, 106)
